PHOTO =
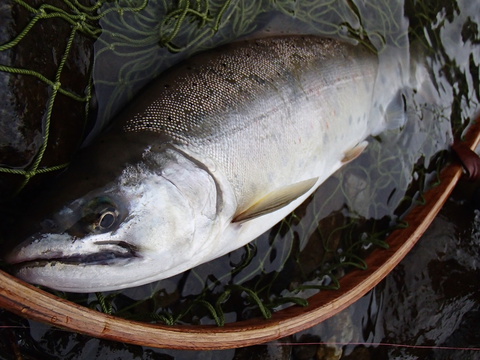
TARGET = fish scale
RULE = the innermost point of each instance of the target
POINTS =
(202, 91)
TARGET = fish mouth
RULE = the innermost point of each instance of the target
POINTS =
(116, 250)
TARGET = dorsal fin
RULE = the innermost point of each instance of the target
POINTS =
(275, 200)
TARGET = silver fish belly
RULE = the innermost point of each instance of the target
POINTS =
(211, 155)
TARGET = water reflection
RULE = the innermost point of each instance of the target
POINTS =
(430, 299)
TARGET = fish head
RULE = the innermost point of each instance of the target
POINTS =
(140, 227)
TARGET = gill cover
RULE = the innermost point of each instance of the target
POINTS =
(138, 228)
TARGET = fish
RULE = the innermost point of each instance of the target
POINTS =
(213, 153)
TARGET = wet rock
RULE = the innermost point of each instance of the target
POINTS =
(275, 350)
(359, 353)
(306, 348)
(30, 108)
(329, 353)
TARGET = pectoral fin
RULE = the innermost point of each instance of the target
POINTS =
(275, 200)
(354, 152)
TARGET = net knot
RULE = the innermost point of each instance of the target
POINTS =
(42, 13)
(81, 22)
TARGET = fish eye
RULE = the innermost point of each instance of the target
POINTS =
(100, 215)
(107, 219)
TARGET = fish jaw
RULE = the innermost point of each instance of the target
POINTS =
(60, 262)
(89, 266)
(65, 248)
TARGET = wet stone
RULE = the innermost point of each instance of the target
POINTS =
(303, 350)
(26, 98)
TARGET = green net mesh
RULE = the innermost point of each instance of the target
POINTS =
(42, 45)
(142, 34)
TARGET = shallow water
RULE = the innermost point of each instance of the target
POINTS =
(432, 297)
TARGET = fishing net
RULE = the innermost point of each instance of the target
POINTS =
(46, 56)
(47, 67)
(132, 42)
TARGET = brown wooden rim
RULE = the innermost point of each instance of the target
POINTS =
(28, 301)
